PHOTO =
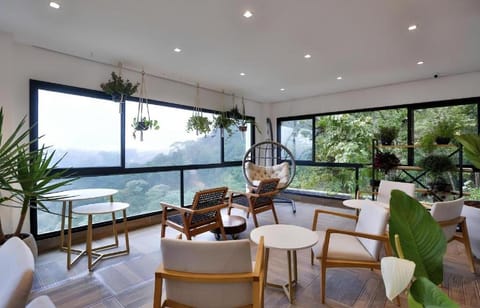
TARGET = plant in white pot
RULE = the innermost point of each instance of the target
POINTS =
(26, 176)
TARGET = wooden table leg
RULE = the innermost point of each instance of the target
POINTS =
(89, 242)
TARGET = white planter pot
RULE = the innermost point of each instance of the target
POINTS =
(472, 215)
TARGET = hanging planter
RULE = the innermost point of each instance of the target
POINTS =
(118, 88)
(241, 120)
(197, 122)
(142, 121)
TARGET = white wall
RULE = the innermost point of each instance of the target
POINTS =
(434, 89)
(19, 63)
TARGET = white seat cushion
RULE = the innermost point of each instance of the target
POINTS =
(341, 246)
(41, 302)
(256, 173)
(208, 257)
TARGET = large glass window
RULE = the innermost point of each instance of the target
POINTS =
(171, 144)
(87, 128)
(84, 129)
(296, 135)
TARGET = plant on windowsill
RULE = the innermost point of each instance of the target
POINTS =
(26, 177)
(416, 266)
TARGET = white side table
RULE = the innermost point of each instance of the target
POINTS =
(67, 197)
(285, 237)
(357, 204)
(103, 208)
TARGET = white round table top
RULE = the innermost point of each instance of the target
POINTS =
(81, 194)
(100, 208)
(358, 203)
(287, 237)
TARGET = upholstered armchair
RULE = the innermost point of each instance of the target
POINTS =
(209, 274)
(346, 248)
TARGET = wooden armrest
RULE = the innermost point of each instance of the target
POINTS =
(203, 277)
(165, 207)
(450, 222)
(320, 211)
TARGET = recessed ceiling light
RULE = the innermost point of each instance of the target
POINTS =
(420, 62)
(282, 89)
(55, 5)
(307, 56)
(339, 78)
(412, 27)
(242, 74)
(247, 14)
(177, 49)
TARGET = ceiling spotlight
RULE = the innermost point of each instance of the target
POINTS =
(55, 5)
(242, 74)
(420, 62)
(282, 89)
(412, 27)
(339, 78)
(247, 14)
(307, 56)
(177, 49)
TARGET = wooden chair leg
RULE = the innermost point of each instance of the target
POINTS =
(323, 280)
(157, 296)
(274, 214)
(255, 222)
(468, 248)
(312, 256)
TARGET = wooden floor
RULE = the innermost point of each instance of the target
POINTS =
(127, 281)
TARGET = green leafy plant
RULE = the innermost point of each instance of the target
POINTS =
(387, 134)
(417, 237)
(27, 176)
(143, 125)
(224, 122)
(386, 161)
(199, 124)
(119, 88)
(436, 165)
(471, 148)
(440, 132)
(241, 120)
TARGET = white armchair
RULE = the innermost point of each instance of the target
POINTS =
(345, 248)
(17, 268)
(209, 274)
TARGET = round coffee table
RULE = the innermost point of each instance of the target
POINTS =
(232, 225)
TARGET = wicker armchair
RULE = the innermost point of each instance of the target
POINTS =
(257, 201)
(202, 216)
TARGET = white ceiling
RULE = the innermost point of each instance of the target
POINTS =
(364, 41)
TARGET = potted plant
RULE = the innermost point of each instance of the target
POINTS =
(119, 88)
(241, 118)
(436, 165)
(387, 134)
(224, 122)
(198, 123)
(386, 161)
(26, 176)
(141, 122)
(143, 125)
(441, 132)
(415, 266)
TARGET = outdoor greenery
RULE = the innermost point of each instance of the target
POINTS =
(386, 161)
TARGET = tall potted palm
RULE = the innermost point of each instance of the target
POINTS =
(26, 176)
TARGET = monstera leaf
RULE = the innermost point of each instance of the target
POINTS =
(471, 148)
(421, 238)
(424, 293)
